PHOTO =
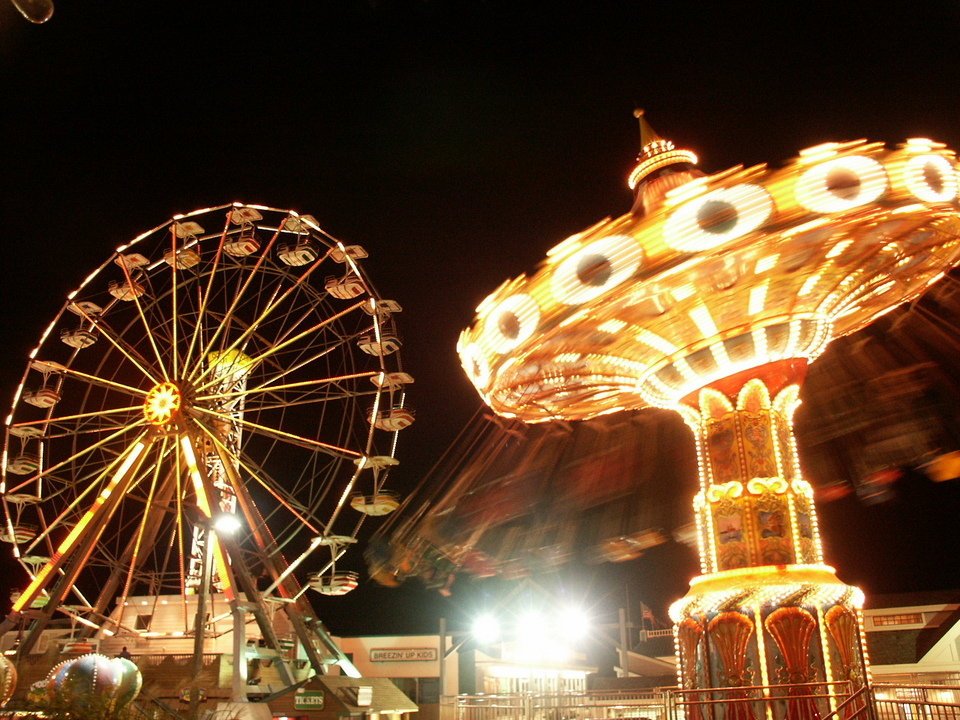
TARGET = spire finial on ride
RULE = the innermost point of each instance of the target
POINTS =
(647, 133)
(660, 167)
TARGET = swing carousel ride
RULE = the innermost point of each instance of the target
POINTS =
(710, 299)
(231, 364)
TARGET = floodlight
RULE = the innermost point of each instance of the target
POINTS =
(486, 629)
(573, 622)
(226, 523)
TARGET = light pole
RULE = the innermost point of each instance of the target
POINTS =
(445, 652)
(225, 524)
(200, 621)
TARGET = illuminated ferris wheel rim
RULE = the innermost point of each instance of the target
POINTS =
(850, 231)
(180, 375)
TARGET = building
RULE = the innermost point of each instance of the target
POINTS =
(411, 662)
(914, 638)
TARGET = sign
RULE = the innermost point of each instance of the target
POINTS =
(308, 700)
(403, 655)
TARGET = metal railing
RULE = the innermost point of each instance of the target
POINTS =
(652, 704)
(766, 702)
(821, 701)
(856, 705)
(916, 702)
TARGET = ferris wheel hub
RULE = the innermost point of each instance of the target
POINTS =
(162, 404)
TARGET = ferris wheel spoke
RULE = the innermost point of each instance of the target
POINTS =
(133, 564)
(66, 428)
(263, 387)
(347, 491)
(240, 293)
(267, 311)
(85, 429)
(205, 295)
(231, 462)
(281, 403)
(282, 435)
(147, 326)
(175, 310)
(296, 316)
(71, 508)
(286, 370)
(96, 381)
(76, 456)
(135, 358)
(60, 420)
(280, 346)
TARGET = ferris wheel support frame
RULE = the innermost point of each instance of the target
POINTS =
(107, 593)
(72, 555)
(305, 626)
(240, 575)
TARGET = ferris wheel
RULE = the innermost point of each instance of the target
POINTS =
(235, 361)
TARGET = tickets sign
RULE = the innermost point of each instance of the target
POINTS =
(308, 700)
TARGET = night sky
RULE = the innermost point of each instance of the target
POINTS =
(456, 141)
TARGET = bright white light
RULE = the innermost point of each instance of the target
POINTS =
(486, 629)
(226, 523)
(532, 628)
(573, 623)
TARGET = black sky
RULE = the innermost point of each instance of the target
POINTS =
(457, 141)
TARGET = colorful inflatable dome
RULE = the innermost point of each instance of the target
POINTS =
(90, 681)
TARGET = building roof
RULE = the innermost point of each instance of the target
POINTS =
(661, 646)
(911, 599)
(386, 697)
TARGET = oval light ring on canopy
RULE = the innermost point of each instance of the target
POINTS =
(475, 365)
(841, 184)
(511, 322)
(597, 267)
(931, 178)
(717, 217)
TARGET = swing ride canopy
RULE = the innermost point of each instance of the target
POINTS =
(723, 273)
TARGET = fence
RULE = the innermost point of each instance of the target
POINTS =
(916, 702)
(824, 701)
(649, 704)
(770, 702)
